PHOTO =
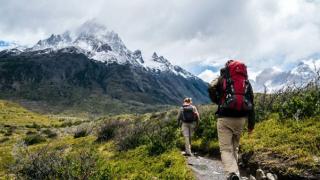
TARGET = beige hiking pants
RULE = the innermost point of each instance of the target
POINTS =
(187, 130)
(229, 132)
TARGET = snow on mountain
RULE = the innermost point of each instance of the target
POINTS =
(9, 45)
(159, 63)
(99, 43)
(54, 41)
(274, 78)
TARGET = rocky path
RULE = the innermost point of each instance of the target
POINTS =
(205, 168)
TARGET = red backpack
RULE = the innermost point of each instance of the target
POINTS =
(235, 88)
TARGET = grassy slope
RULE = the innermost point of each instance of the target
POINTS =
(14, 115)
(13, 120)
(291, 146)
(134, 164)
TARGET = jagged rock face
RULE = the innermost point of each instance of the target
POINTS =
(62, 75)
(93, 61)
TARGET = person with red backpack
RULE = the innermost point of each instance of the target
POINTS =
(233, 94)
(190, 118)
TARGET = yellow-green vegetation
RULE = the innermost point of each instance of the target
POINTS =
(206, 136)
(15, 121)
(138, 164)
(15, 115)
(291, 145)
(287, 146)
(152, 155)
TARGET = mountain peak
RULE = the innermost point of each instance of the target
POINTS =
(154, 55)
(91, 27)
(97, 42)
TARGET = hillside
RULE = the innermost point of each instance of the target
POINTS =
(32, 146)
(94, 68)
(147, 146)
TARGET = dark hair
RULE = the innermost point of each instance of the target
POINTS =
(222, 71)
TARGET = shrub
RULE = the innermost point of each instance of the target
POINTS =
(58, 164)
(109, 129)
(49, 133)
(2, 140)
(33, 125)
(81, 132)
(163, 135)
(208, 125)
(30, 132)
(131, 136)
(8, 130)
(300, 105)
(159, 133)
(34, 139)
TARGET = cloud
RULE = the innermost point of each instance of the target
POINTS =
(262, 33)
(208, 75)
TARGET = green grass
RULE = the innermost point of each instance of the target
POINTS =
(15, 115)
(136, 163)
(295, 143)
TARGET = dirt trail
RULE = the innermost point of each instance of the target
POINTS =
(207, 168)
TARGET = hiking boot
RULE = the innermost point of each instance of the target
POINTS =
(233, 176)
(188, 154)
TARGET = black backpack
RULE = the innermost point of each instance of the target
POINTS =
(188, 114)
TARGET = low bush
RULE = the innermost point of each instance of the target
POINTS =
(109, 129)
(81, 132)
(58, 164)
(131, 136)
(49, 133)
(9, 132)
(162, 134)
(33, 125)
(2, 140)
(302, 105)
(30, 132)
(159, 133)
(34, 139)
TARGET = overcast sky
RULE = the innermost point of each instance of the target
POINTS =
(193, 34)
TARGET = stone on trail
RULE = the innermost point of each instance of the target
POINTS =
(260, 175)
(252, 177)
(271, 176)
(206, 169)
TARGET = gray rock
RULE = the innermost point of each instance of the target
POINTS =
(260, 175)
(252, 177)
(271, 176)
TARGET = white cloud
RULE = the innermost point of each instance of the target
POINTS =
(262, 33)
(208, 75)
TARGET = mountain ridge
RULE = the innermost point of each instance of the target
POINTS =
(85, 70)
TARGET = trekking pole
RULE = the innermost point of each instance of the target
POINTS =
(190, 137)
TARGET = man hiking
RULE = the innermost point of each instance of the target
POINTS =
(233, 94)
(189, 117)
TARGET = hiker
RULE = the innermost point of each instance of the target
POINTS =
(233, 94)
(189, 117)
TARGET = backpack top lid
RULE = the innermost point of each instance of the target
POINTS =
(236, 68)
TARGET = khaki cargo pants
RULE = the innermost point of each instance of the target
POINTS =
(187, 130)
(229, 132)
